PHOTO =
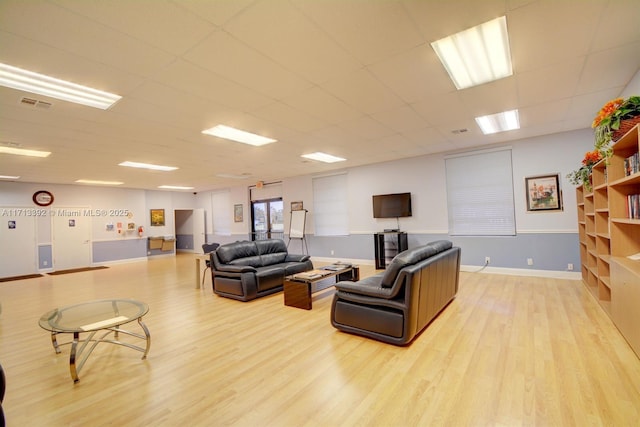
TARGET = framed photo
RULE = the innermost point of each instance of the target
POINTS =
(237, 213)
(543, 193)
(157, 217)
(296, 206)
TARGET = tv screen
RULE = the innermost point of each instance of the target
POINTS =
(392, 205)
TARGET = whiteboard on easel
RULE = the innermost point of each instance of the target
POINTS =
(296, 227)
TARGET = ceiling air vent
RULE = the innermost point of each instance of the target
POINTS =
(459, 131)
(30, 102)
(43, 104)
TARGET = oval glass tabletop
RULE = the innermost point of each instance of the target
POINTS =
(93, 315)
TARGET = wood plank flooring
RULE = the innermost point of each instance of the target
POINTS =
(507, 351)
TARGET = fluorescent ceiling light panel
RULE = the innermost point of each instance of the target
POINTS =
(226, 132)
(147, 166)
(97, 182)
(23, 152)
(323, 157)
(477, 55)
(175, 187)
(9, 177)
(29, 81)
(232, 176)
(500, 122)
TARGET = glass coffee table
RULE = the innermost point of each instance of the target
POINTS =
(100, 319)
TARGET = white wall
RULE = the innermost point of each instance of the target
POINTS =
(423, 176)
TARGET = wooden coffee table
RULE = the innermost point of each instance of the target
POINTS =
(298, 288)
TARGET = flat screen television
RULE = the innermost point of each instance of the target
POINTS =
(392, 205)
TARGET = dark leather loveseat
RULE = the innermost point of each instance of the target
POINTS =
(395, 305)
(248, 270)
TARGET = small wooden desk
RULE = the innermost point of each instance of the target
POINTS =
(200, 266)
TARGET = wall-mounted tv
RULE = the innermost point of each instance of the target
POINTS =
(392, 205)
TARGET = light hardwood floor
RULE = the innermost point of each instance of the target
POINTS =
(507, 351)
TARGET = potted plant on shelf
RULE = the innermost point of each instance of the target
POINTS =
(613, 120)
(582, 175)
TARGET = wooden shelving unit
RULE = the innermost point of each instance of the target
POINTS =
(608, 237)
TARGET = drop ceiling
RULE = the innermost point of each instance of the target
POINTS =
(355, 79)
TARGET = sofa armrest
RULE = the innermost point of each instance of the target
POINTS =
(369, 286)
(297, 258)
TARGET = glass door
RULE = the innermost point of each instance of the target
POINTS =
(267, 219)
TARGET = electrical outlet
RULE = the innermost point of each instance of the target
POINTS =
(529, 261)
(332, 252)
(487, 260)
(570, 267)
(45, 262)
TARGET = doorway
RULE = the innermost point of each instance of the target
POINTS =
(189, 230)
(267, 219)
(71, 238)
(17, 242)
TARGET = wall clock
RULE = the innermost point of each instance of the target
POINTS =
(42, 198)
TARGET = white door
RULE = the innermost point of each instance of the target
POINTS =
(71, 238)
(199, 236)
(17, 242)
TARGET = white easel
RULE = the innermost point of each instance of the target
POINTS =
(296, 228)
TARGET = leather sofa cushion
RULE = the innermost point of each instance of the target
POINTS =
(270, 246)
(251, 261)
(269, 277)
(228, 253)
(410, 257)
(274, 258)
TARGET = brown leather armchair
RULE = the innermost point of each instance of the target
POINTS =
(397, 304)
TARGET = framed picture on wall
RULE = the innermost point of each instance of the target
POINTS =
(296, 206)
(157, 217)
(543, 193)
(237, 213)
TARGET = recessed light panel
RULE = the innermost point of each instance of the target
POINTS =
(17, 78)
(232, 176)
(226, 132)
(323, 157)
(477, 55)
(174, 187)
(500, 122)
(148, 166)
(24, 152)
(97, 182)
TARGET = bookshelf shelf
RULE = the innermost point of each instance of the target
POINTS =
(609, 233)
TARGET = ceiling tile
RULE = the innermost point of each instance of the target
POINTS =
(319, 103)
(160, 23)
(292, 40)
(370, 33)
(228, 57)
(363, 92)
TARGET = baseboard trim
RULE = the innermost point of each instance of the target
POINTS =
(570, 275)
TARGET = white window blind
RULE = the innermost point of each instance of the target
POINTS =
(480, 194)
(330, 214)
(221, 213)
